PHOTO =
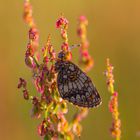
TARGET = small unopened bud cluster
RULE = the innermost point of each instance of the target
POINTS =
(113, 103)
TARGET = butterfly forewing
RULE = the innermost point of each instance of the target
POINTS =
(75, 86)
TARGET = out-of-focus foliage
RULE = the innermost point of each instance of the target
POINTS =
(113, 31)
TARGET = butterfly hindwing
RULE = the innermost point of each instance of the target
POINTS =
(76, 87)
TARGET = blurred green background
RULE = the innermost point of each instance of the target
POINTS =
(113, 31)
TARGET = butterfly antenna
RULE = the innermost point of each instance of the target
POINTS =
(70, 47)
(73, 46)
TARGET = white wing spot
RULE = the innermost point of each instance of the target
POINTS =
(79, 72)
(65, 88)
(78, 97)
(70, 85)
(87, 94)
(64, 76)
(68, 72)
(91, 85)
(74, 85)
(79, 86)
(86, 84)
(71, 67)
(81, 83)
(72, 99)
(89, 89)
(81, 78)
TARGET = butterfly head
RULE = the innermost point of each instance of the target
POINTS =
(59, 62)
(61, 55)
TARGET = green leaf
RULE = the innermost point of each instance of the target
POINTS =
(47, 137)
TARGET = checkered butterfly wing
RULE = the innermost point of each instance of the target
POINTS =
(76, 87)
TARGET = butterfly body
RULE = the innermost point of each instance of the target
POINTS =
(75, 86)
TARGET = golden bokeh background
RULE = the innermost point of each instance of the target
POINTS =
(113, 31)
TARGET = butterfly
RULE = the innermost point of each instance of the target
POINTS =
(74, 85)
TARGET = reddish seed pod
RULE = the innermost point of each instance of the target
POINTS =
(42, 130)
(35, 100)
(33, 34)
(29, 61)
(22, 83)
(25, 94)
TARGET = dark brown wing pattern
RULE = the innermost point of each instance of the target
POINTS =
(76, 87)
